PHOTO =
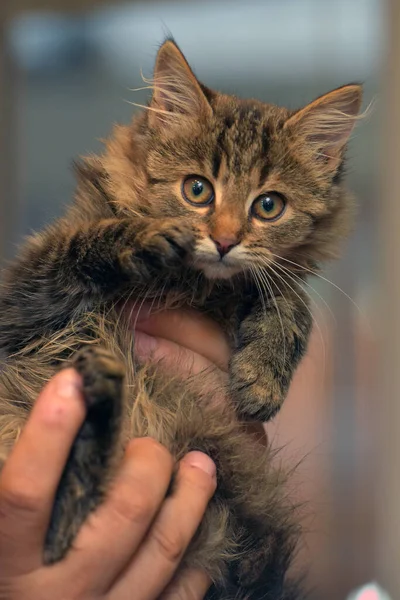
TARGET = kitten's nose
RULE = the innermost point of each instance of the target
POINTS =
(224, 245)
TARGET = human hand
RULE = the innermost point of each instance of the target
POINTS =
(131, 545)
(186, 342)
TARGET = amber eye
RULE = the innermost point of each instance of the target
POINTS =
(197, 190)
(268, 207)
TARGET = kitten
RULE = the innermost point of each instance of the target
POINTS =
(207, 200)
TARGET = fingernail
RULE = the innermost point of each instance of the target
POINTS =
(199, 460)
(144, 344)
(68, 383)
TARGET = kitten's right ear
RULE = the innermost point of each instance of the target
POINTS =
(176, 90)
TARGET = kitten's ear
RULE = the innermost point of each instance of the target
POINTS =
(176, 89)
(326, 123)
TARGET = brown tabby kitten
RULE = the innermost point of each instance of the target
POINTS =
(207, 200)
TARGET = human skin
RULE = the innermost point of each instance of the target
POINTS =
(134, 541)
(187, 342)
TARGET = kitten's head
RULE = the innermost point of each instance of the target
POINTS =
(255, 181)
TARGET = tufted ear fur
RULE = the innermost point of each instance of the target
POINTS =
(326, 123)
(176, 91)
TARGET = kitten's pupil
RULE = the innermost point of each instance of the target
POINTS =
(197, 188)
(268, 204)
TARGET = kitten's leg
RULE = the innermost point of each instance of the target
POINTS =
(270, 344)
(66, 271)
(88, 467)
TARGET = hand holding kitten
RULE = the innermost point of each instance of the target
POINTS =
(134, 541)
(187, 342)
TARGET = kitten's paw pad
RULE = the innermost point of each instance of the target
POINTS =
(257, 389)
(102, 375)
(168, 244)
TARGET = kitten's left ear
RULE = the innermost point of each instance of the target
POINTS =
(176, 89)
(326, 124)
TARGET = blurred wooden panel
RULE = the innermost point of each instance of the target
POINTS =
(387, 492)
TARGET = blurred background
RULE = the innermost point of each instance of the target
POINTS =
(66, 74)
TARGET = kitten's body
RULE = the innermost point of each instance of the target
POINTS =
(129, 234)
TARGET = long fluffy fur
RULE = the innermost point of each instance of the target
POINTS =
(130, 233)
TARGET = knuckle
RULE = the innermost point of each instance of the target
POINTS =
(152, 447)
(170, 544)
(19, 497)
(134, 510)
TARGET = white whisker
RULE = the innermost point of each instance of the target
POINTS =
(260, 292)
(262, 278)
(308, 309)
(315, 274)
(300, 281)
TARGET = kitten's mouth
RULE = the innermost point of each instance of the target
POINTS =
(218, 268)
(214, 266)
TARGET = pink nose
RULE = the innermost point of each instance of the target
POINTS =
(224, 245)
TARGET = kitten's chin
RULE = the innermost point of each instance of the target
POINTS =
(218, 270)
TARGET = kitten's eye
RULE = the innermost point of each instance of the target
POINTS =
(197, 190)
(268, 207)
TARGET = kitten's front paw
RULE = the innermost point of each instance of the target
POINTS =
(166, 244)
(258, 386)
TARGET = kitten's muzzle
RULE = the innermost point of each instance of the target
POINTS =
(224, 244)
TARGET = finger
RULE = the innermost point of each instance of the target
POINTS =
(185, 362)
(155, 563)
(190, 584)
(187, 328)
(107, 542)
(31, 475)
(180, 360)
(173, 358)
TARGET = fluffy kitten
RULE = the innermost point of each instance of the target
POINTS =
(207, 200)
